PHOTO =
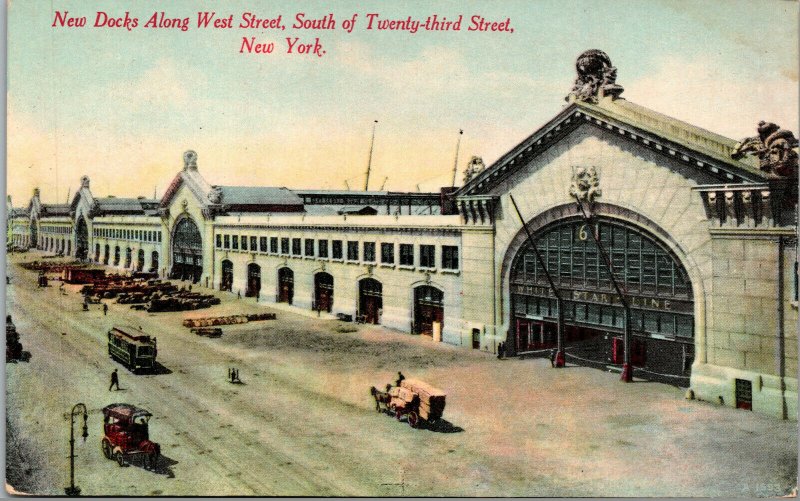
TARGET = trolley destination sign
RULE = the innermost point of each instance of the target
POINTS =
(607, 298)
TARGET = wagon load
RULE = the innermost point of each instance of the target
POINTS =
(228, 320)
(431, 399)
(76, 275)
(420, 403)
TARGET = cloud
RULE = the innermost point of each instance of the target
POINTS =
(709, 95)
(166, 85)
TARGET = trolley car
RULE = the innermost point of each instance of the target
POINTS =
(132, 349)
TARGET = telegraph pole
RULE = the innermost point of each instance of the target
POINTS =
(455, 163)
(369, 162)
(627, 369)
(560, 359)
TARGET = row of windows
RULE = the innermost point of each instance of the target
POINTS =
(573, 260)
(356, 251)
(55, 229)
(662, 323)
(128, 234)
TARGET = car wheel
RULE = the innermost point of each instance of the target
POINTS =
(120, 459)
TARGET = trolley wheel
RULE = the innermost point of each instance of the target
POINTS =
(120, 459)
(106, 446)
(413, 419)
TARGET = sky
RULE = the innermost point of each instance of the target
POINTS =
(122, 106)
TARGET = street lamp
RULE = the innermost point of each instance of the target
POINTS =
(73, 490)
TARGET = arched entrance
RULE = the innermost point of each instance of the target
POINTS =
(106, 255)
(657, 285)
(370, 300)
(116, 255)
(253, 280)
(154, 262)
(226, 282)
(187, 251)
(81, 239)
(96, 253)
(140, 260)
(428, 309)
(285, 285)
(323, 291)
(128, 257)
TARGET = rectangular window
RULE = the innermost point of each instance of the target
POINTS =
(296, 247)
(387, 253)
(337, 249)
(159, 236)
(369, 252)
(406, 255)
(253, 244)
(235, 242)
(427, 256)
(285, 246)
(219, 241)
(227, 241)
(262, 244)
(323, 248)
(244, 242)
(309, 242)
(273, 245)
(352, 251)
(449, 257)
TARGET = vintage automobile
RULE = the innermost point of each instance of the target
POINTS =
(125, 432)
(132, 348)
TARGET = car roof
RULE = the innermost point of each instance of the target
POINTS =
(124, 411)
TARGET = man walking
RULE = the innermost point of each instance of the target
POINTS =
(114, 380)
(105, 309)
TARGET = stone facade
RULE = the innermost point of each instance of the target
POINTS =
(728, 223)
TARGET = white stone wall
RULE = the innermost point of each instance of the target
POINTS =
(398, 281)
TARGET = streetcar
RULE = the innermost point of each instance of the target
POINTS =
(132, 348)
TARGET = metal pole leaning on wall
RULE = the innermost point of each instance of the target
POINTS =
(559, 361)
(627, 369)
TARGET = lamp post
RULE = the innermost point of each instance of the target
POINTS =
(73, 490)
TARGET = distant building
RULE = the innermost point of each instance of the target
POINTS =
(700, 232)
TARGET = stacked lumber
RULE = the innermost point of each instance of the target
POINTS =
(50, 267)
(401, 397)
(229, 320)
(431, 399)
(180, 301)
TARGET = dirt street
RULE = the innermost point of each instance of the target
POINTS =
(303, 422)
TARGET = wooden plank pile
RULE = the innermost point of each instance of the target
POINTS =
(228, 320)
(208, 331)
(75, 275)
(431, 399)
(50, 267)
(180, 301)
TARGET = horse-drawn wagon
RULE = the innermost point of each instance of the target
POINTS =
(420, 403)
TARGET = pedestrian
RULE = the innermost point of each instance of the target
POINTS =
(105, 309)
(500, 351)
(400, 378)
(238, 294)
(552, 358)
(114, 380)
